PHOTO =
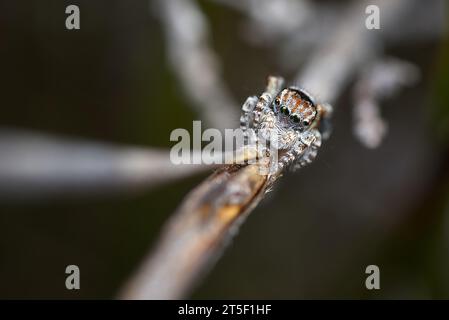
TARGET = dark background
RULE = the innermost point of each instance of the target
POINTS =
(311, 238)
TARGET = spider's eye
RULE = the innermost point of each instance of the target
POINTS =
(277, 101)
(305, 123)
(295, 118)
(285, 110)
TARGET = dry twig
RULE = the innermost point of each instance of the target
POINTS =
(197, 232)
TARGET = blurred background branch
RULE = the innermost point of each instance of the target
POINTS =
(378, 81)
(194, 63)
(38, 166)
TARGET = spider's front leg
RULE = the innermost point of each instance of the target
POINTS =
(291, 156)
(312, 143)
(253, 105)
(256, 108)
(303, 152)
(274, 85)
(324, 113)
(247, 117)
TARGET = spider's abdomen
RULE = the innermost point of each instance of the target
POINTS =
(296, 105)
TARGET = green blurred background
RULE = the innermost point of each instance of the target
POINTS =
(311, 238)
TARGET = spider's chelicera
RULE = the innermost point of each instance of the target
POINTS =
(288, 120)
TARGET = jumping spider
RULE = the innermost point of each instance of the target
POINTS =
(288, 120)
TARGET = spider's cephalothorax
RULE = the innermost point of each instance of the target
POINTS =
(287, 118)
(295, 107)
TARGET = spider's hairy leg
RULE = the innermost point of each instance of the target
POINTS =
(265, 132)
(292, 147)
(274, 85)
(247, 110)
(324, 113)
(291, 156)
(303, 152)
(311, 150)
(262, 106)
(247, 117)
